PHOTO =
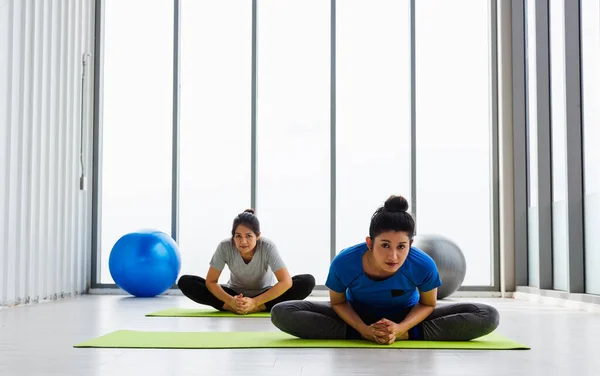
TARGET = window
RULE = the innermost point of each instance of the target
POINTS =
(454, 195)
(558, 128)
(373, 112)
(590, 61)
(293, 132)
(293, 168)
(532, 152)
(216, 52)
(137, 123)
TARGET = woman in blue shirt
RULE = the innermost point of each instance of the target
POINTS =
(385, 290)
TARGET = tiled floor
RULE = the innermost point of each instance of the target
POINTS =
(39, 339)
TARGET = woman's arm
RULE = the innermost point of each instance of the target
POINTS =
(212, 284)
(388, 331)
(284, 282)
(418, 313)
(343, 309)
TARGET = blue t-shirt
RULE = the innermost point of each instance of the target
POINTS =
(387, 296)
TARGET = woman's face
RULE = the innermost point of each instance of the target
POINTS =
(390, 250)
(245, 239)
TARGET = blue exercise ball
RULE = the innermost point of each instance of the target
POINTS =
(145, 263)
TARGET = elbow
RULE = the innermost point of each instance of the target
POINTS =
(428, 303)
(287, 283)
(338, 308)
(210, 284)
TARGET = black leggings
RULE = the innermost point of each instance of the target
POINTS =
(453, 322)
(194, 287)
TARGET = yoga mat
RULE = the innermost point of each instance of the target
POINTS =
(239, 340)
(187, 312)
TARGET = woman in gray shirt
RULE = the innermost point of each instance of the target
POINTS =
(252, 260)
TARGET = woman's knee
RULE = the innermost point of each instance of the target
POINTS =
(280, 313)
(489, 316)
(306, 281)
(187, 282)
(184, 280)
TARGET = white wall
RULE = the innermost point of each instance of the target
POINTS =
(45, 219)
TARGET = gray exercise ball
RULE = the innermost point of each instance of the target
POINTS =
(449, 259)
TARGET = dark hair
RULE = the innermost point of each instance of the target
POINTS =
(248, 219)
(392, 216)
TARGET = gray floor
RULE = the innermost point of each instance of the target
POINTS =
(38, 340)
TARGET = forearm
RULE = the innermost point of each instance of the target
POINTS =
(348, 314)
(417, 314)
(274, 292)
(218, 291)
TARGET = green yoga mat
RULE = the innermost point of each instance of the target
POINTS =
(187, 312)
(242, 340)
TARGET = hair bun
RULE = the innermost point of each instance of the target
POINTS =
(396, 204)
(251, 211)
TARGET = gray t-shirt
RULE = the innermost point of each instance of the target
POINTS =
(255, 277)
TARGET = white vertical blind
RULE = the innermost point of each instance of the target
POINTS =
(45, 228)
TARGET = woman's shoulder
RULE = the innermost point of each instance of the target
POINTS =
(225, 245)
(266, 245)
(419, 259)
(347, 265)
(266, 241)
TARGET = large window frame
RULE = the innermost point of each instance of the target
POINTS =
(495, 286)
(544, 281)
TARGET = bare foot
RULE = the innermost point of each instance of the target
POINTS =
(229, 308)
